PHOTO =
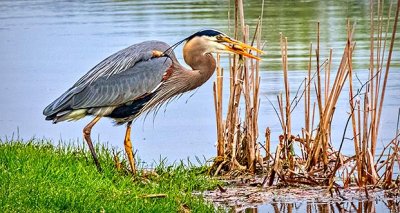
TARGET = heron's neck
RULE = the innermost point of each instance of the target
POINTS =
(203, 66)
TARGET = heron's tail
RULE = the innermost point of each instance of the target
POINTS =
(69, 115)
(60, 107)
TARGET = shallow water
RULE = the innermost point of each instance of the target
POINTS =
(46, 46)
(322, 207)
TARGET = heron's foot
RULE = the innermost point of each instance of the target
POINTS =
(86, 136)
(94, 155)
(117, 163)
(157, 54)
(131, 159)
(128, 148)
(98, 166)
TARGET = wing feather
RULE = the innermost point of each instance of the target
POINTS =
(120, 78)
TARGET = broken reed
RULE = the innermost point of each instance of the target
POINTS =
(320, 161)
(237, 134)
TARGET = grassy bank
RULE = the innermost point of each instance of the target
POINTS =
(37, 176)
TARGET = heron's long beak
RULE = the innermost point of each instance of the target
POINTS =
(240, 48)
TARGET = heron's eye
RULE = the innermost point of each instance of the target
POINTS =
(219, 37)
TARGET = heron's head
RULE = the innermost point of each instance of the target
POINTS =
(213, 41)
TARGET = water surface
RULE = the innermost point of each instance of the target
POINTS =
(47, 45)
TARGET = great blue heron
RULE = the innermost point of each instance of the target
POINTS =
(140, 78)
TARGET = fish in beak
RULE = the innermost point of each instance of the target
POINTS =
(237, 47)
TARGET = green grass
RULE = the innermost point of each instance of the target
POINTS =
(40, 177)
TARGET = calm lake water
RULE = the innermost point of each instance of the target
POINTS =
(47, 45)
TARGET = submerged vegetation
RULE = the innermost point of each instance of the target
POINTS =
(38, 176)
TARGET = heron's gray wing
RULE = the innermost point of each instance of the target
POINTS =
(122, 60)
(123, 87)
(118, 78)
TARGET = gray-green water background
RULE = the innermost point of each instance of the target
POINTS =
(45, 46)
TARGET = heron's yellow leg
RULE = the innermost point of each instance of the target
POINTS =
(86, 136)
(128, 147)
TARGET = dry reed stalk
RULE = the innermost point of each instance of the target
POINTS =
(364, 143)
(324, 134)
(388, 175)
(276, 165)
(352, 106)
(243, 79)
(217, 88)
(371, 64)
(268, 143)
(249, 115)
(319, 90)
(372, 84)
(286, 110)
(257, 80)
(314, 154)
(232, 105)
(307, 104)
(328, 75)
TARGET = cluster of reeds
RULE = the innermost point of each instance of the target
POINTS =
(316, 163)
(319, 163)
(237, 134)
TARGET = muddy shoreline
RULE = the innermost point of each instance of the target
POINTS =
(246, 194)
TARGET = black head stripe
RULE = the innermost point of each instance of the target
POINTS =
(210, 33)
